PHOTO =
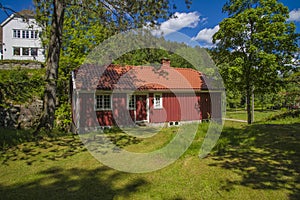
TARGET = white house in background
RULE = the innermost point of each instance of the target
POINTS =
(19, 37)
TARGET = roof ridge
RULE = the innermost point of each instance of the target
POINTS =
(188, 69)
(149, 66)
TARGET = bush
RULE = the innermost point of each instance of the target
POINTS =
(286, 114)
(18, 86)
(63, 117)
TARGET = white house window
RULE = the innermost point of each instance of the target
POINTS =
(158, 101)
(33, 34)
(16, 51)
(131, 102)
(103, 102)
(16, 33)
(25, 51)
(26, 34)
(34, 51)
(23, 34)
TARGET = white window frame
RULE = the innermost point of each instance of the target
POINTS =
(15, 48)
(33, 34)
(129, 96)
(27, 34)
(101, 105)
(155, 103)
(23, 34)
(16, 33)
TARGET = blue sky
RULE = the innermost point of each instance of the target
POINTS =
(199, 22)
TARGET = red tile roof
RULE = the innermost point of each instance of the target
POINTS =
(117, 77)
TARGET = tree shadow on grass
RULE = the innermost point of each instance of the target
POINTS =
(22, 146)
(58, 183)
(47, 148)
(266, 156)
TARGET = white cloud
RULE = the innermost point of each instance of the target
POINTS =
(180, 21)
(295, 15)
(205, 35)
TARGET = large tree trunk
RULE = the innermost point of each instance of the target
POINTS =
(52, 61)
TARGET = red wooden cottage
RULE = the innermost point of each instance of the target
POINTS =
(128, 95)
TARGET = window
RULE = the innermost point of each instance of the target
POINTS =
(16, 51)
(25, 51)
(23, 34)
(157, 101)
(131, 102)
(103, 102)
(34, 51)
(26, 34)
(16, 33)
(33, 34)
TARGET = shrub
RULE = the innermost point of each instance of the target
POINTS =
(63, 117)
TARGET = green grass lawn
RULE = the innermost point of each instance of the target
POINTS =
(258, 114)
(261, 161)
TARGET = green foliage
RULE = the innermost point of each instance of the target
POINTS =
(153, 57)
(20, 85)
(142, 57)
(269, 100)
(258, 41)
(233, 98)
(255, 43)
(285, 115)
(291, 93)
(180, 55)
(63, 117)
(83, 31)
(86, 23)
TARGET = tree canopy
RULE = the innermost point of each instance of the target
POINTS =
(256, 42)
